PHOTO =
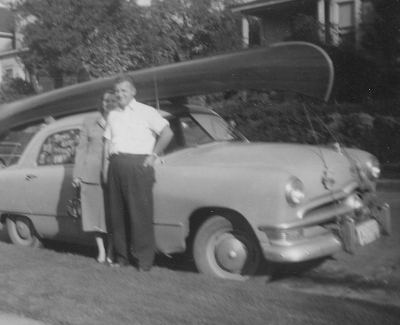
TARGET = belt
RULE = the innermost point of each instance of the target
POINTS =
(132, 155)
(129, 154)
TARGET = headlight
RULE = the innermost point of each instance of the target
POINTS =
(357, 204)
(373, 168)
(294, 191)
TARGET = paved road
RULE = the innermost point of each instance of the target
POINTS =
(12, 319)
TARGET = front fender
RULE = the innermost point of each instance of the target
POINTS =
(256, 194)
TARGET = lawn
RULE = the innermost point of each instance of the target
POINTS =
(72, 288)
(64, 285)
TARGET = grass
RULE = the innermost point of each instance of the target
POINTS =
(68, 288)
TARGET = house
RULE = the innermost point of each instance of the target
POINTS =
(10, 47)
(341, 20)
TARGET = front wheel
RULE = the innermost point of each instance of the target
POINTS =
(222, 251)
(21, 232)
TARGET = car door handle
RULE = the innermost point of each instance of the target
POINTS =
(30, 176)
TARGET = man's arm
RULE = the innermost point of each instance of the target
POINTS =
(163, 141)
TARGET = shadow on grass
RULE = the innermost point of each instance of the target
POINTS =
(183, 262)
(281, 271)
(179, 262)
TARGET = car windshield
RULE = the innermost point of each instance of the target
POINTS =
(204, 128)
(199, 128)
(13, 143)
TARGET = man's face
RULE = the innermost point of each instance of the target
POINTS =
(125, 92)
(109, 103)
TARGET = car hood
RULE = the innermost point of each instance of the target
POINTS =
(319, 168)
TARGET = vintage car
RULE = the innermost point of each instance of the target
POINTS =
(230, 202)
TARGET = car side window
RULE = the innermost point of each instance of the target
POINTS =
(193, 133)
(59, 148)
(176, 141)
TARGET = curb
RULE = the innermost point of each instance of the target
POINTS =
(13, 319)
(388, 185)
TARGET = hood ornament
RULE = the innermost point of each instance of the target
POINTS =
(328, 179)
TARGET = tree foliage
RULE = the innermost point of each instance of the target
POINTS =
(105, 37)
(305, 28)
(384, 36)
(186, 29)
(68, 37)
(13, 89)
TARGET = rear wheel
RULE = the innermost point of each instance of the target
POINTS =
(21, 232)
(222, 251)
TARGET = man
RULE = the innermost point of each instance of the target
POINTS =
(133, 148)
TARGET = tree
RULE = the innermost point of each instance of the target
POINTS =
(186, 29)
(14, 88)
(384, 36)
(70, 37)
(305, 28)
(103, 37)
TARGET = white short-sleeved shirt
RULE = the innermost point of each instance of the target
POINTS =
(133, 129)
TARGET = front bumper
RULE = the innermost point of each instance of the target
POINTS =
(331, 238)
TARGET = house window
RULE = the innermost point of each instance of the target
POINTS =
(346, 15)
(347, 22)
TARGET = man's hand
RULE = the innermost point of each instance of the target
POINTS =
(150, 160)
(76, 182)
(162, 142)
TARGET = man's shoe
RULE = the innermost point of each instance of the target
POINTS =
(144, 269)
(122, 261)
(114, 264)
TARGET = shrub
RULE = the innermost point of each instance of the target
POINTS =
(289, 121)
(14, 88)
(357, 77)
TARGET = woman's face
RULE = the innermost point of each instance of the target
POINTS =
(109, 103)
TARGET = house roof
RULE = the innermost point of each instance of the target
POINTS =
(257, 6)
(7, 21)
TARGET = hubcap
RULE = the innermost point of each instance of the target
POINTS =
(23, 230)
(230, 253)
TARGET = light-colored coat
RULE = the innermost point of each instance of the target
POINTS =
(89, 152)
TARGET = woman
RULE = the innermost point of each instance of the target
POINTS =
(87, 174)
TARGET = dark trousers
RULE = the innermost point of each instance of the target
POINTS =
(130, 190)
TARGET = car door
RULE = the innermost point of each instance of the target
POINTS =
(48, 185)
